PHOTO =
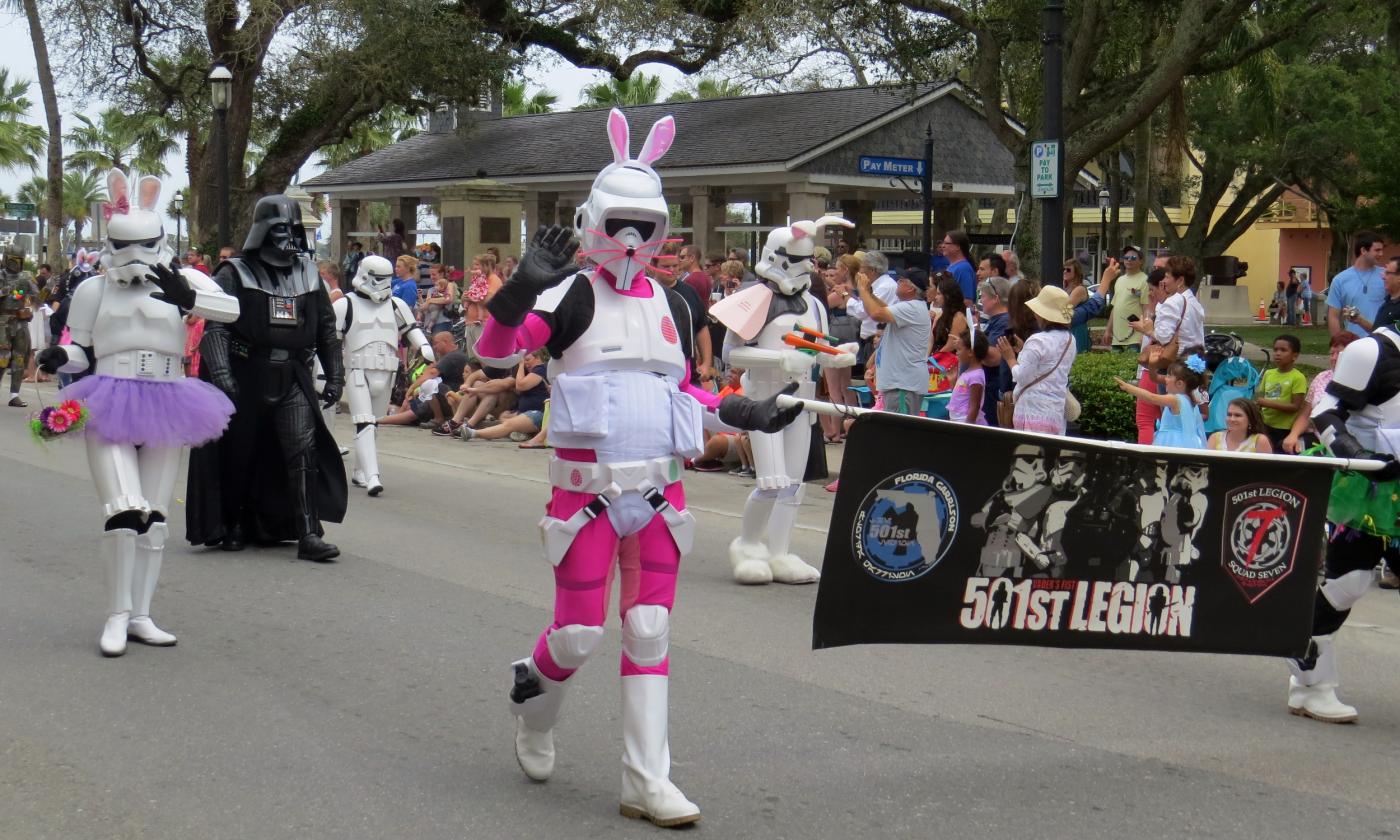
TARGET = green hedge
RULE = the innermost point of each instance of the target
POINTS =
(1106, 412)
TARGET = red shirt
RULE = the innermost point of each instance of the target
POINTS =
(700, 282)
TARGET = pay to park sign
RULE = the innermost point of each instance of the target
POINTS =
(944, 532)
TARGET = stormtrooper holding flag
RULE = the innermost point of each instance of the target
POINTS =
(370, 321)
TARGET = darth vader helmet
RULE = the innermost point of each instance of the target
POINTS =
(277, 236)
(374, 279)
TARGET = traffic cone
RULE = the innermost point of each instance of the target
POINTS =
(1263, 316)
(1307, 317)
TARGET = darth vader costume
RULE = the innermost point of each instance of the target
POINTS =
(276, 473)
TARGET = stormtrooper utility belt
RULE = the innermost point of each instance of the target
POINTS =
(609, 482)
(141, 364)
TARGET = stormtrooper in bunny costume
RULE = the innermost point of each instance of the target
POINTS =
(759, 318)
(370, 321)
(625, 411)
(127, 334)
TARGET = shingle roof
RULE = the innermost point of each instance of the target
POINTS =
(770, 128)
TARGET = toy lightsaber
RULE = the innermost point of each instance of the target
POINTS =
(792, 339)
(817, 334)
(1353, 464)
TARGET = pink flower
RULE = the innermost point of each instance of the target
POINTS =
(59, 422)
(72, 409)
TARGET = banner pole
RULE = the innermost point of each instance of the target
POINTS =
(1350, 464)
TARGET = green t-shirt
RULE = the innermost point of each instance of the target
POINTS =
(1129, 298)
(1277, 385)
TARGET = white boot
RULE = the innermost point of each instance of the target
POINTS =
(786, 566)
(535, 716)
(150, 548)
(647, 791)
(119, 557)
(367, 459)
(1313, 693)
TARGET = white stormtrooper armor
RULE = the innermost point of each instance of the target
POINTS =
(761, 552)
(1357, 416)
(131, 342)
(370, 321)
(624, 220)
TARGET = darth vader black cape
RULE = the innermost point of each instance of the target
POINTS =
(267, 509)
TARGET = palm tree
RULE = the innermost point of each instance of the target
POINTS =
(81, 190)
(384, 129)
(637, 89)
(514, 102)
(20, 143)
(53, 201)
(121, 141)
(709, 89)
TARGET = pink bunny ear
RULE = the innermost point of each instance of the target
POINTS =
(659, 140)
(116, 187)
(620, 136)
(147, 191)
(797, 232)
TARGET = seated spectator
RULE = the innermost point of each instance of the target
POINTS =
(1281, 390)
(965, 403)
(485, 392)
(725, 448)
(1244, 429)
(1181, 424)
(541, 438)
(1302, 435)
(432, 406)
(528, 416)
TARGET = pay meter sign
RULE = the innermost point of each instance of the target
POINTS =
(1045, 169)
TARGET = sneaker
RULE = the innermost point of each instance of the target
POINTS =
(746, 472)
(1389, 580)
(520, 437)
(708, 466)
(448, 429)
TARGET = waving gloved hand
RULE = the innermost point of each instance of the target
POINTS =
(548, 262)
(174, 288)
(759, 415)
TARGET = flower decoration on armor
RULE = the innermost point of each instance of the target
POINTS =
(55, 421)
(1196, 363)
(120, 207)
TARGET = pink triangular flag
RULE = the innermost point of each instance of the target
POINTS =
(746, 311)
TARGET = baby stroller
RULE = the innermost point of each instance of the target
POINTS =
(1222, 346)
(1234, 378)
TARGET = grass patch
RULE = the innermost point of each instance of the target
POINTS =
(1314, 339)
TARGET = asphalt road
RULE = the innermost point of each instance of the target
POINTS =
(366, 699)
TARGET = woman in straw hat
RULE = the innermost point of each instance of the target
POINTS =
(1040, 366)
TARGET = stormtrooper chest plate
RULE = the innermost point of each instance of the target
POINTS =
(628, 333)
(371, 322)
(128, 318)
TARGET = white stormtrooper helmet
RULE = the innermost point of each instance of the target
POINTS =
(626, 219)
(135, 235)
(786, 257)
(374, 279)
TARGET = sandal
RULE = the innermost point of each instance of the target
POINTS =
(528, 445)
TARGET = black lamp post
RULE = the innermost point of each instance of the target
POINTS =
(1104, 199)
(177, 205)
(221, 93)
(1052, 220)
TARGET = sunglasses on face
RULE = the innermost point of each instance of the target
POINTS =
(1131, 258)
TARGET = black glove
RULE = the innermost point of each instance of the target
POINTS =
(1389, 472)
(758, 415)
(330, 395)
(174, 288)
(51, 359)
(548, 262)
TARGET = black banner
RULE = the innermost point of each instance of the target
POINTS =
(945, 532)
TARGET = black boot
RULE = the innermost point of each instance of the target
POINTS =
(233, 538)
(310, 546)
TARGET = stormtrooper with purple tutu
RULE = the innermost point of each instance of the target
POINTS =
(127, 333)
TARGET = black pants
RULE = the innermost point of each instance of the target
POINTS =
(292, 422)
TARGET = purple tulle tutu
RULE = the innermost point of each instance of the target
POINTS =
(182, 412)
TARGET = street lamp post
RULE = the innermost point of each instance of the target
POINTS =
(178, 205)
(1104, 199)
(221, 93)
(1052, 219)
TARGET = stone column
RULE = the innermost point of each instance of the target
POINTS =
(806, 202)
(345, 217)
(408, 211)
(489, 214)
(704, 237)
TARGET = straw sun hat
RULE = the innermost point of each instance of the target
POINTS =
(1052, 304)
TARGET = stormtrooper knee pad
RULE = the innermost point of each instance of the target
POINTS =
(646, 634)
(571, 645)
(792, 495)
(154, 537)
